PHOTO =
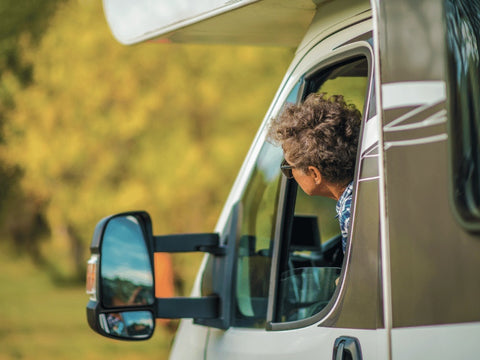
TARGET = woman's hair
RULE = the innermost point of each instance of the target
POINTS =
(320, 132)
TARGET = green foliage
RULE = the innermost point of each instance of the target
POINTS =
(28, 19)
(41, 321)
(22, 25)
(105, 128)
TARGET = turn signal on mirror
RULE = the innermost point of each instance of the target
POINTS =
(91, 286)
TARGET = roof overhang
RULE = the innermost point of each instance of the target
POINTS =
(249, 22)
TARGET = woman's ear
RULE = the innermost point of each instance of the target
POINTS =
(315, 174)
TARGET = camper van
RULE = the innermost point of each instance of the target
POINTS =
(274, 282)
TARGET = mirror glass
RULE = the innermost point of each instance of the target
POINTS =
(125, 268)
(128, 324)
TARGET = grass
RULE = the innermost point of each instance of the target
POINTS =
(39, 320)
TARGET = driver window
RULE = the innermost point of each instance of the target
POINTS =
(312, 253)
(259, 209)
(255, 245)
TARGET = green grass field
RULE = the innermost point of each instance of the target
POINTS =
(39, 320)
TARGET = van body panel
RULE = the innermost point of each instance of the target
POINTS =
(412, 40)
(433, 262)
(310, 343)
(193, 341)
(332, 16)
(455, 341)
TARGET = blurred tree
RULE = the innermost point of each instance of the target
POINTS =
(105, 128)
(29, 19)
(22, 26)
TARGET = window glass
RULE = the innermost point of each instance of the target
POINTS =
(259, 214)
(463, 45)
(312, 253)
(259, 209)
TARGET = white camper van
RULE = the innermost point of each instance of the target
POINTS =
(275, 283)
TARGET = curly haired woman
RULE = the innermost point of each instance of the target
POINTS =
(319, 139)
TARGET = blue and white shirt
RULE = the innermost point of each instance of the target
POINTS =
(344, 204)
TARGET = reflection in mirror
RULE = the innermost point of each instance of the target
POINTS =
(126, 271)
(128, 324)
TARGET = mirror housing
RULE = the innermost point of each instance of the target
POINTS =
(120, 277)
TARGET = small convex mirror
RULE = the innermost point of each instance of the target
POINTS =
(128, 324)
(125, 271)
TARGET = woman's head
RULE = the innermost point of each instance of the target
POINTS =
(321, 132)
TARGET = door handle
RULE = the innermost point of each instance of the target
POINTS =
(347, 348)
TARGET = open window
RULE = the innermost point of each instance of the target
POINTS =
(310, 254)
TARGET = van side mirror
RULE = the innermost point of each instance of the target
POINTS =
(121, 284)
(126, 269)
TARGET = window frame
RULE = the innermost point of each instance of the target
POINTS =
(286, 203)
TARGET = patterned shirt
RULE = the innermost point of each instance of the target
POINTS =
(343, 213)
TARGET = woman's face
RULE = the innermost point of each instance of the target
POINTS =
(305, 180)
(311, 181)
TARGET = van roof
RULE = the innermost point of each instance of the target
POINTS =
(243, 22)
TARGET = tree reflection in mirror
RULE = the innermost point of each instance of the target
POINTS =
(126, 270)
(128, 324)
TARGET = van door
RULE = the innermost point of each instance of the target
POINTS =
(428, 81)
(289, 246)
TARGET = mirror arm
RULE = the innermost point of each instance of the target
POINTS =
(189, 242)
(184, 307)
